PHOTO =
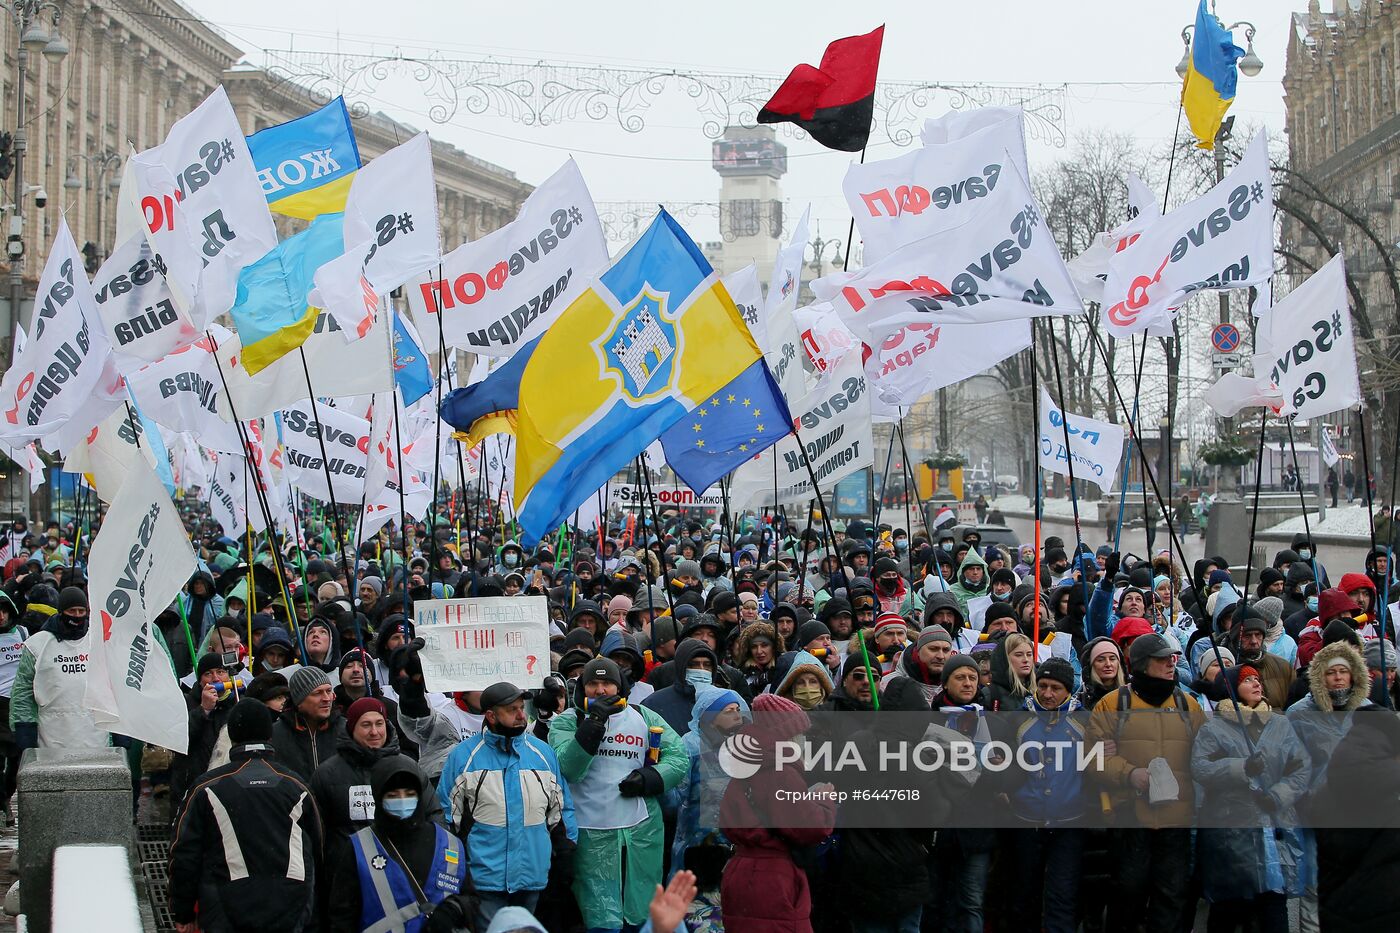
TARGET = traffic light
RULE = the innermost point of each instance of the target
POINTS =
(7, 157)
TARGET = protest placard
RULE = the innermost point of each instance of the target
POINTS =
(472, 643)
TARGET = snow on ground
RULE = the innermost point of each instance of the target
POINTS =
(1343, 520)
(1058, 507)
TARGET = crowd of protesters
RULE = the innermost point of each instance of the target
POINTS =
(327, 788)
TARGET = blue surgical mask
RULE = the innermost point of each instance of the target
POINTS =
(901, 544)
(1312, 604)
(400, 807)
(510, 559)
(1305, 553)
(699, 679)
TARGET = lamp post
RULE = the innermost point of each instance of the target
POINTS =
(819, 247)
(1249, 65)
(103, 163)
(34, 38)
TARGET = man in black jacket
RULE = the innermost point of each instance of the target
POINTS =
(247, 841)
(307, 731)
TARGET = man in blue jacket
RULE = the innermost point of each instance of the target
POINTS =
(502, 792)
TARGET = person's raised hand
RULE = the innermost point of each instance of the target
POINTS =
(669, 904)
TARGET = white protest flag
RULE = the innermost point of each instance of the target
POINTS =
(136, 308)
(1310, 347)
(743, 287)
(139, 561)
(1090, 268)
(1234, 391)
(180, 392)
(897, 201)
(347, 443)
(203, 207)
(1142, 202)
(391, 234)
(64, 361)
(28, 458)
(999, 264)
(337, 369)
(782, 349)
(835, 422)
(1223, 239)
(1096, 446)
(499, 292)
(224, 493)
(919, 358)
(824, 337)
(110, 452)
(1329, 449)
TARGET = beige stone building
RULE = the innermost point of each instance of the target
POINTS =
(1343, 123)
(131, 71)
(135, 68)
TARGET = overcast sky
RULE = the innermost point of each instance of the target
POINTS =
(1117, 57)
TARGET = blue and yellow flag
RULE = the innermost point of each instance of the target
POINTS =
(269, 310)
(305, 165)
(1209, 87)
(653, 338)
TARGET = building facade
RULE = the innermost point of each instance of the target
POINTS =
(132, 70)
(1343, 125)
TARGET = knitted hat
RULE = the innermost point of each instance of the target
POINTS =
(809, 632)
(621, 602)
(250, 721)
(72, 598)
(209, 661)
(724, 601)
(1218, 576)
(1372, 653)
(303, 681)
(356, 654)
(1056, 669)
(1002, 611)
(1101, 646)
(932, 634)
(890, 622)
(956, 662)
(1227, 658)
(776, 718)
(1270, 608)
(688, 568)
(604, 669)
(359, 708)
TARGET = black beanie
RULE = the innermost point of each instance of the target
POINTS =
(810, 632)
(249, 721)
(604, 669)
(954, 663)
(72, 598)
(1057, 669)
(997, 611)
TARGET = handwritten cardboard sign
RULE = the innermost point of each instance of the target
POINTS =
(472, 643)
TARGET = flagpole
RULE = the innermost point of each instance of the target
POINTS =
(261, 495)
(1069, 461)
(1128, 461)
(884, 477)
(656, 526)
(403, 512)
(908, 519)
(729, 530)
(1038, 510)
(1254, 518)
(1303, 501)
(326, 468)
(1365, 473)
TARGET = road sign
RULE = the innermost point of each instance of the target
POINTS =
(1225, 338)
(1223, 361)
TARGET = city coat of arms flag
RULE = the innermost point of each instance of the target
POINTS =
(654, 337)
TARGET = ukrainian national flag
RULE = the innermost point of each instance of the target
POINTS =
(654, 338)
(1209, 88)
(269, 310)
(305, 165)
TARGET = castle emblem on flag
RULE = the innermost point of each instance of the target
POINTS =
(641, 349)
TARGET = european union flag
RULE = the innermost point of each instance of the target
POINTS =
(411, 373)
(746, 416)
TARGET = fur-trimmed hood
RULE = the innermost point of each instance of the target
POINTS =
(1317, 675)
(746, 636)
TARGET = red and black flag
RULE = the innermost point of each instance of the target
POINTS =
(834, 102)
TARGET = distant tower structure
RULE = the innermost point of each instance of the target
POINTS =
(750, 162)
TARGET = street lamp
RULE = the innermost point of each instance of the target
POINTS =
(34, 38)
(1249, 65)
(106, 162)
(819, 252)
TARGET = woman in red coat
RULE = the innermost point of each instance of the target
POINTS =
(763, 890)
